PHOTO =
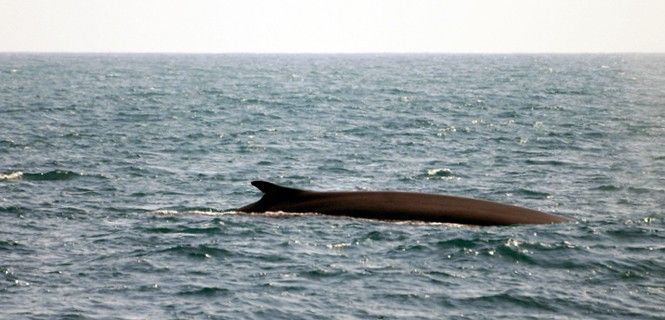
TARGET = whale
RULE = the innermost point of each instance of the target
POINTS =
(395, 206)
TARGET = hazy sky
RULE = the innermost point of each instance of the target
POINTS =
(332, 26)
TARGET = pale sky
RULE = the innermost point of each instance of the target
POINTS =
(332, 26)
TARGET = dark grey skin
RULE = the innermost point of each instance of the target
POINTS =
(391, 205)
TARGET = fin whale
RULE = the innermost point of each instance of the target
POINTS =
(393, 205)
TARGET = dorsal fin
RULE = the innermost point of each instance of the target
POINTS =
(273, 189)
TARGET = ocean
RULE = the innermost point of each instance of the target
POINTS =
(119, 174)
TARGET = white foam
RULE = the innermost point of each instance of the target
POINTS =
(164, 212)
(282, 214)
(167, 212)
(208, 212)
(439, 171)
(11, 176)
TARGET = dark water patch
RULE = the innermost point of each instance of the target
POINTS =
(514, 298)
(9, 245)
(185, 229)
(201, 251)
(439, 277)
(639, 190)
(566, 91)
(149, 93)
(6, 145)
(90, 192)
(457, 243)
(531, 194)
(398, 91)
(634, 232)
(607, 188)
(268, 257)
(336, 169)
(7, 273)
(322, 273)
(143, 266)
(513, 114)
(381, 236)
(514, 250)
(411, 248)
(594, 135)
(549, 163)
(287, 283)
(204, 291)
(54, 175)
(633, 271)
(16, 209)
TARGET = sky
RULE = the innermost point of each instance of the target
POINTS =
(333, 26)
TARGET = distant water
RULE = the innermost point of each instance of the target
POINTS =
(118, 173)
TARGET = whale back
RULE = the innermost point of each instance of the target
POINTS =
(272, 194)
(392, 205)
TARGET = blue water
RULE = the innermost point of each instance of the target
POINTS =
(119, 173)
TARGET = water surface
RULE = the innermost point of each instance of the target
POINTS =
(118, 173)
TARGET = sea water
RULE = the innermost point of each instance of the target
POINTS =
(119, 175)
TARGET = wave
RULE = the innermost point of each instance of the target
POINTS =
(53, 175)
